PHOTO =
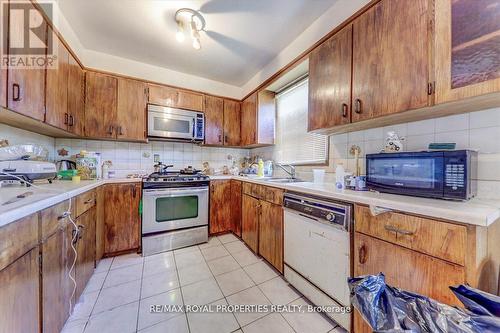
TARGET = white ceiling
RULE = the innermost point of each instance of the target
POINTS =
(241, 36)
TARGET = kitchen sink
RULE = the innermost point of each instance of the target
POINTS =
(284, 180)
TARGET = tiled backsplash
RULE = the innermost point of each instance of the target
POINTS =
(476, 130)
(18, 136)
(133, 157)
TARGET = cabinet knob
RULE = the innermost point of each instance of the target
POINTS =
(225, 138)
(220, 138)
(71, 120)
(358, 106)
(110, 130)
(362, 254)
(66, 116)
(16, 92)
(345, 109)
(120, 130)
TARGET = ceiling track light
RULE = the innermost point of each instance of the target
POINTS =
(186, 17)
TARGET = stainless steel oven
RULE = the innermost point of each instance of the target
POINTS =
(175, 124)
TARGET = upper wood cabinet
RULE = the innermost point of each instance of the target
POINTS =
(177, 98)
(390, 69)
(56, 102)
(232, 122)
(26, 87)
(76, 100)
(100, 105)
(466, 48)
(220, 206)
(214, 120)
(131, 110)
(330, 82)
(258, 118)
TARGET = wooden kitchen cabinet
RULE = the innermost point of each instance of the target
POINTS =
(100, 105)
(174, 97)
(20, 290)
(330, 82)
(220, 206)
(56, 98)
(232, 122)
(76, 100)
(250, 211)
(121, 218)
(236, 193)
(86, 249)
(271, 234)
(214, 120)
(258, 113)
(26, 87)
(99, 224)
(131, 110)
(391, 64)
(466, 49)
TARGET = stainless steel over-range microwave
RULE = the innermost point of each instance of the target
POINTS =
(175, 124)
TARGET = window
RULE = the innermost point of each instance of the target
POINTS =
(294, 145)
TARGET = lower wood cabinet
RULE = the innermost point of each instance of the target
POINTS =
(85, 247)
(271, 234)
(250, 211)
(220, 206)
(236, 192)
(121, 217)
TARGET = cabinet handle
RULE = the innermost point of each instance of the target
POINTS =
(63, 216)
(120, 130)
(71, 120)
(362, 254)
(345, 109)
(220, 138)
(225, 138)
(398, 231)
(66, 116)
(358, 106)
(16, 92)
(80, 231)
(89, 202)
(110, 130)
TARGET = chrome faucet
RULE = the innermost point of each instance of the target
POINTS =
(290, 172)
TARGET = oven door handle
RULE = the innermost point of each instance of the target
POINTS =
(174, 192)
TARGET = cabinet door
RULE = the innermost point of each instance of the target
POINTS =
(190, 101)
(20, 290)
(99, 224)
(86, 249)
(131, 112)
(26, 87)
(76, 93)
(100, 105)
(236, 192)
(249, 120)
(232, 121)
(330, 82)
(266, 117)
(121, 217)
(271, 234)
(220, 206)
(56, 113)
(165, 96)
(467, 48)
(250, 222)
(214, 113)
(390, 59)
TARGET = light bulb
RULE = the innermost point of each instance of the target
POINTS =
(196, 43)
(180, 32)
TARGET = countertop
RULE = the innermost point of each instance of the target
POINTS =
(477, 211)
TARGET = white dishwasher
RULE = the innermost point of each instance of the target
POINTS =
(317, 251)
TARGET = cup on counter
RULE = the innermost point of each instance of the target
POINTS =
(319, 175)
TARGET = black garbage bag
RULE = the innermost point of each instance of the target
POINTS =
(390, 309)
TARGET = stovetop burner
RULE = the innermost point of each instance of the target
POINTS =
(175, 179)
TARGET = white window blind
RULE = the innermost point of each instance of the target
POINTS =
(294, 145)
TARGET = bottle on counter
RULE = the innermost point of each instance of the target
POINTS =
(260, 168)
(339, 176)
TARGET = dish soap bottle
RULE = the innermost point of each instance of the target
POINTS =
(260, 169)
(339, 176)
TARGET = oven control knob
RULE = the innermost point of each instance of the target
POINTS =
(330, 217)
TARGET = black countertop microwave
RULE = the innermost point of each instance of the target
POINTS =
(432, 174)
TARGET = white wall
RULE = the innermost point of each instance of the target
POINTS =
(18, 136)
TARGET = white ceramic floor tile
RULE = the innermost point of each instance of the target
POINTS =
(215, 322)
(104, 265)
(163, 264)
(234, 281)
(174, 325)
(148, 318)
(278, 291)
(214, 252)
(235, 247)
(251, 296)
(75, 326)
(83, 308)
(307, 322)
(122, 319)
(159, 283)
(195, 273)
(227, 238)
(96, 281)
(273, 323)
(212, 241)
(202, 292)
(117, 295)
(189, 259)
(126, 260)
(223, 265)
(123, 275)
(260, 272)
(338, 329)
(246, 257)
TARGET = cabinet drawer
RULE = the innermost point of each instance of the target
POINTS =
(439, 239)
(53, 218)
(266, 193)
(17, 238)
(84, 202)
